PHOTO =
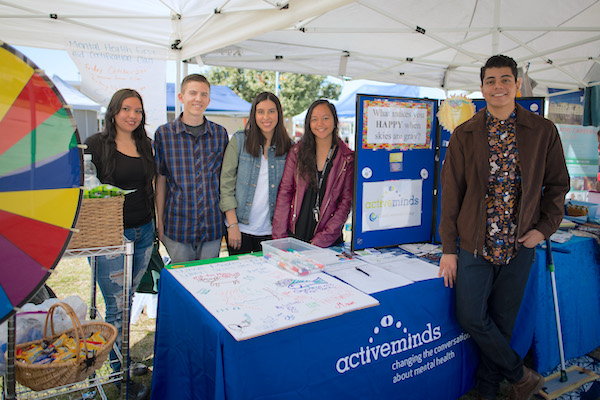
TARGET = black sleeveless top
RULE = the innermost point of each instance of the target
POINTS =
(129, 174)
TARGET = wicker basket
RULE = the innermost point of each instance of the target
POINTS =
(100, 223)
(47, 376)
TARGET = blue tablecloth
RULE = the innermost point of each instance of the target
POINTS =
(578, 286)
(352, 355)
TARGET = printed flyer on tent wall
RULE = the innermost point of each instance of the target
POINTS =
(392, 204)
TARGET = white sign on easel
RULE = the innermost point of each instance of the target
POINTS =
(107, 67)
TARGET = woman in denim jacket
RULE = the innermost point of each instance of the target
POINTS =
(252, 168)
(315, 195)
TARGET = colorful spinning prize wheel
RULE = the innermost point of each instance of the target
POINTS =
(40, 177)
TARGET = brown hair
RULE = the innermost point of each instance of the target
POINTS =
(194, 78)
(254, 137)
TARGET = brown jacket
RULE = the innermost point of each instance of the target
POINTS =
(545, 181)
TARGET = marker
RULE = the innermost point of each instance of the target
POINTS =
(360, 270)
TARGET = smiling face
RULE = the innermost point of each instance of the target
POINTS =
(195, 97)
(130, 115)
(266, 117)
(499, 89)
(322, 123)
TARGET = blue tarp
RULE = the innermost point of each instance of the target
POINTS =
(346, 106)
(223, 100)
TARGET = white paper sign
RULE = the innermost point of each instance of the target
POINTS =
(391, 204)
(396, 125)
(107, 67)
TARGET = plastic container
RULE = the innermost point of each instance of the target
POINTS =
(90, 173)
(294, 255)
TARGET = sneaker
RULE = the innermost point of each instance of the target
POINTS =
(137, 391)
(137, 369)
(530, 384)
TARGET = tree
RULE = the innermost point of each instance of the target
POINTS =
(296, 93)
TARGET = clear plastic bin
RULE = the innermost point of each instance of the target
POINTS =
(294, 255)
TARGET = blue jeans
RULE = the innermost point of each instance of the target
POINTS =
(488, 298)
(110, 271)
(184, 252)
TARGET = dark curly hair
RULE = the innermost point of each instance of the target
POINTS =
(499, 61)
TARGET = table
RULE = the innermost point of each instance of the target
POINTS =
(196, 358)
(578, 286)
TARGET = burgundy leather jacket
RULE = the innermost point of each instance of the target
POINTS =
(337, 201)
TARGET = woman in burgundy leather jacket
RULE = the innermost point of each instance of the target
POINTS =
(315, 193)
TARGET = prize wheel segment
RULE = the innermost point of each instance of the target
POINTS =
(40, 178)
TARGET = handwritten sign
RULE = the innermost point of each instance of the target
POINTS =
(107, 67)
(251, 297)
(393, 124)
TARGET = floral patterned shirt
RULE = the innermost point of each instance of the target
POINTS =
(503, 192)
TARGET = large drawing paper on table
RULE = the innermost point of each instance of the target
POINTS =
(251, 297)
(408, 347)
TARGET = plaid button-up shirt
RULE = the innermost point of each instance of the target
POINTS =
(192, 166)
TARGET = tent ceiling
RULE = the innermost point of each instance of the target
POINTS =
(182, 28)
(433, 43)
(429, 43)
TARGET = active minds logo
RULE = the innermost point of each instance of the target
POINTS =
(372, 217)
(404, 341)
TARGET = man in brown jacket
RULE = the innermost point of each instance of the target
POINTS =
(504, 181)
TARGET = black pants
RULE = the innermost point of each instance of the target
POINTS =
(488, 298)
(250, 244)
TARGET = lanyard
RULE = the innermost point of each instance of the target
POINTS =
(319, 184)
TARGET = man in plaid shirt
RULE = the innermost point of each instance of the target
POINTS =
(189, 153)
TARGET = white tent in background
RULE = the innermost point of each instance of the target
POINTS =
(431, 43)
(85, 110)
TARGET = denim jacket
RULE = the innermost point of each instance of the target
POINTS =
(239, 175)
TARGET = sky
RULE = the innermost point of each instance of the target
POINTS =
(58, 62)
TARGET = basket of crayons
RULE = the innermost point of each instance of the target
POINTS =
(66, 357)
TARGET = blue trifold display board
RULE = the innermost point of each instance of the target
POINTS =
(394, 171)
(398, 144)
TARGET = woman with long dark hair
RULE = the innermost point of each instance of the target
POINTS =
(250, 176)
(315, 194)
(123, 157)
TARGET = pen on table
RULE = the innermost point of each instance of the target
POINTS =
(360, 270)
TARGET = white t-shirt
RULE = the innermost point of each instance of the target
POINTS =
(259, 223)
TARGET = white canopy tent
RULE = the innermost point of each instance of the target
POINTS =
(427, 43)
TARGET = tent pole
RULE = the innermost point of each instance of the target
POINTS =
(178, 62)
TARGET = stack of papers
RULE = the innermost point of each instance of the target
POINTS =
(375, 271)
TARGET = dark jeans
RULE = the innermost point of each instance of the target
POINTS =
(250, 244)
(488, 298)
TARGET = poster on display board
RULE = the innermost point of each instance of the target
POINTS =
(580, 145)
(533, 104)
(394, 170)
